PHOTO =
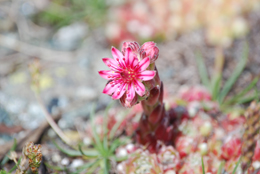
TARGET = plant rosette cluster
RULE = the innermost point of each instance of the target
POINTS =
(193, 124)
(199, 135)
(142, 161)
(34, 154)
(223, 20)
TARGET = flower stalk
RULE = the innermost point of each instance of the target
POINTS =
(35, 84)
(134, 78)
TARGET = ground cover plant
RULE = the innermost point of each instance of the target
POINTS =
(194, 133)
(129, 87)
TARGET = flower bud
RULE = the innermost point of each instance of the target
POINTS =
(203, 148)
(157, 114)
(126, 103)
(133, 45)
(149, 49)
(154, 95)
(206, 129)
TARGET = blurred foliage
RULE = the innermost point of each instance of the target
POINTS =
(219, 93)
(222, 20)
(64, 12)
(101, 151)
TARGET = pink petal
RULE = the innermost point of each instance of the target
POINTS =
(130, 93)
(143, 64)
(118, 56)
(135, 62)
(139, 88)
(119, 91)
(146, 75)
(108, 74)
(148, 45)
(109, 89)
(133, 45)
(112, 64)
(129, 56)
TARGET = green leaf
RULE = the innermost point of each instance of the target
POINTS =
(247, 99)
(69, 152)
(115, 144)
(116, 126)
(105, 124)
(232, 79)
(243, 92)
(215, 86)
(257, 95)
(89, 153)
(86, 166)
(202, 70)
(220, 167)
(234, 171)
(6, 158)
(203, 169)
(3, 172)
(57, 168)
(106, 166)
(94, 167)
(119, 159)
(18, 162)
(97, 139)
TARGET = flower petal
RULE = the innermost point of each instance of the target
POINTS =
(139, 88)
(129, 56)
(110, 88)
(146, 75)
(112, 64)
(143, 64)
(118, 56)
(108, 74)
(119, 91)
(130, 93)
(133, 45)
(135, 62)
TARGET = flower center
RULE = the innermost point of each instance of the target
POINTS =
(128, 75)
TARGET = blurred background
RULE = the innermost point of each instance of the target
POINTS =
(69, 38)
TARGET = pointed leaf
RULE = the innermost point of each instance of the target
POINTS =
(238, 70)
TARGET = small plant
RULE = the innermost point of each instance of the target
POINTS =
(102, 151)
(214, 84)
(31, 159)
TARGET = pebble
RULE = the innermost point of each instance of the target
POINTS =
(56, 158)
(68, 37)
(65, 161)
(86, 93)
(76, 163)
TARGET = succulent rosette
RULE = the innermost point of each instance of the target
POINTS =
(128, 70)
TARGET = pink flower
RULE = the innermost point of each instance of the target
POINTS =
(231, 149)
(256, 156)
(126, 75)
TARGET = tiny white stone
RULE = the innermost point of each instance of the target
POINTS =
(256, 164)
(122, 152)
(87, 141)
(56, 158)
(65, 161)
(129, 147)
(120, 168)
(76, 163)
(170, 172)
